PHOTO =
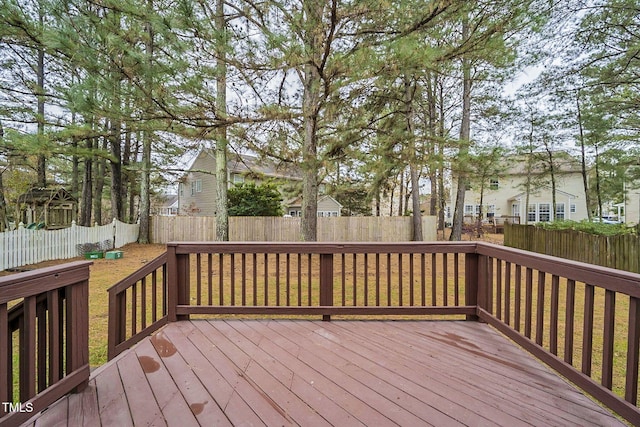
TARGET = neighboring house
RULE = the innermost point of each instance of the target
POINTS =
(632, 207)
(327, 207)
(166, 205)
(197, 189)
(505, 195)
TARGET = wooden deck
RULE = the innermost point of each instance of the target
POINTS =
(312, 373)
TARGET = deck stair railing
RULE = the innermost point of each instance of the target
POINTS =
(581, 319)
(44, 338)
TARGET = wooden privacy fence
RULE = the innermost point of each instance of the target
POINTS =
(620, 251)
(582, 320)
(44, 349)
(23, 246)
(166, 229)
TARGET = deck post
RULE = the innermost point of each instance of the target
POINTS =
(326, 283)
(183, 282)
(471, 283)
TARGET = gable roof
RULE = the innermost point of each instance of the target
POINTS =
(297, 202)
(248, 164)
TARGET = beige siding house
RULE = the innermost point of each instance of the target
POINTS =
(632, 201)
(327, 207)
(506, 195)
(197, 189)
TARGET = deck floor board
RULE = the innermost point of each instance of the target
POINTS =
(312, 373)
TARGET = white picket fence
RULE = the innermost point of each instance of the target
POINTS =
(23, 247)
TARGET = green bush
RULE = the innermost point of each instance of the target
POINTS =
(589, 227)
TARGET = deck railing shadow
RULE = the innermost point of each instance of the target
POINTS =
(44, 345)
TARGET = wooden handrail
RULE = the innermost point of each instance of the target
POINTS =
(48, 310)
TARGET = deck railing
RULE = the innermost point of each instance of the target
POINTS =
(44, 349)
(581, 319)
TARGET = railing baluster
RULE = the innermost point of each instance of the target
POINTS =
(210, 278)
(28, 349)
(154, 296)
(134, 309)
(456, 278)
(366, 279)
(300, 279)
(288, 285)
(499, 289)
(587, 338)
(569, 321)
(488, 304)
(389, 279)
(528, 305)
(633, 352)
(507, 293)
(377, 279)
(445, 279)
(423, 280)
(400, 279)
(266, 279)
(5, 357)
(198, 279)
(41, 316)
(278, 279)
(411, 286)
(244, 278)
(232, 269)
(343, 278)
(255, 278)
(354, 265)
(309, 281)
(553, 334)
(518, 298)
(434, 269)
(608, 335)
(143, 303)
(221, 278)
(540, 308)
(54, 319)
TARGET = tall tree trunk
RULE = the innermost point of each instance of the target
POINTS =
(583, 159)
(313, 34)
(598, 192)
(147, 142)
(441, 147)
(222, 208)
(101, 167)
(4, 220)
(86, 202)
(41, 160)
(416, 215)
(552, 173)
(463, 151)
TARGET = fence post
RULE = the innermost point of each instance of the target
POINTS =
(471, 282)
(326, 283)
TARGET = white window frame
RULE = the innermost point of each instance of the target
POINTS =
(544, 215)
(494, 184)
(560, 212)
(532, 212)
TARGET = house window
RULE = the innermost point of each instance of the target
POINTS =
(468, 209)
(559, 211)
(515, 209)
(544, 212)
(327, 214)
(237, 178)
(198, 186)
(531, 213)
(494, 184)
(491, 211)
(573, 208)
